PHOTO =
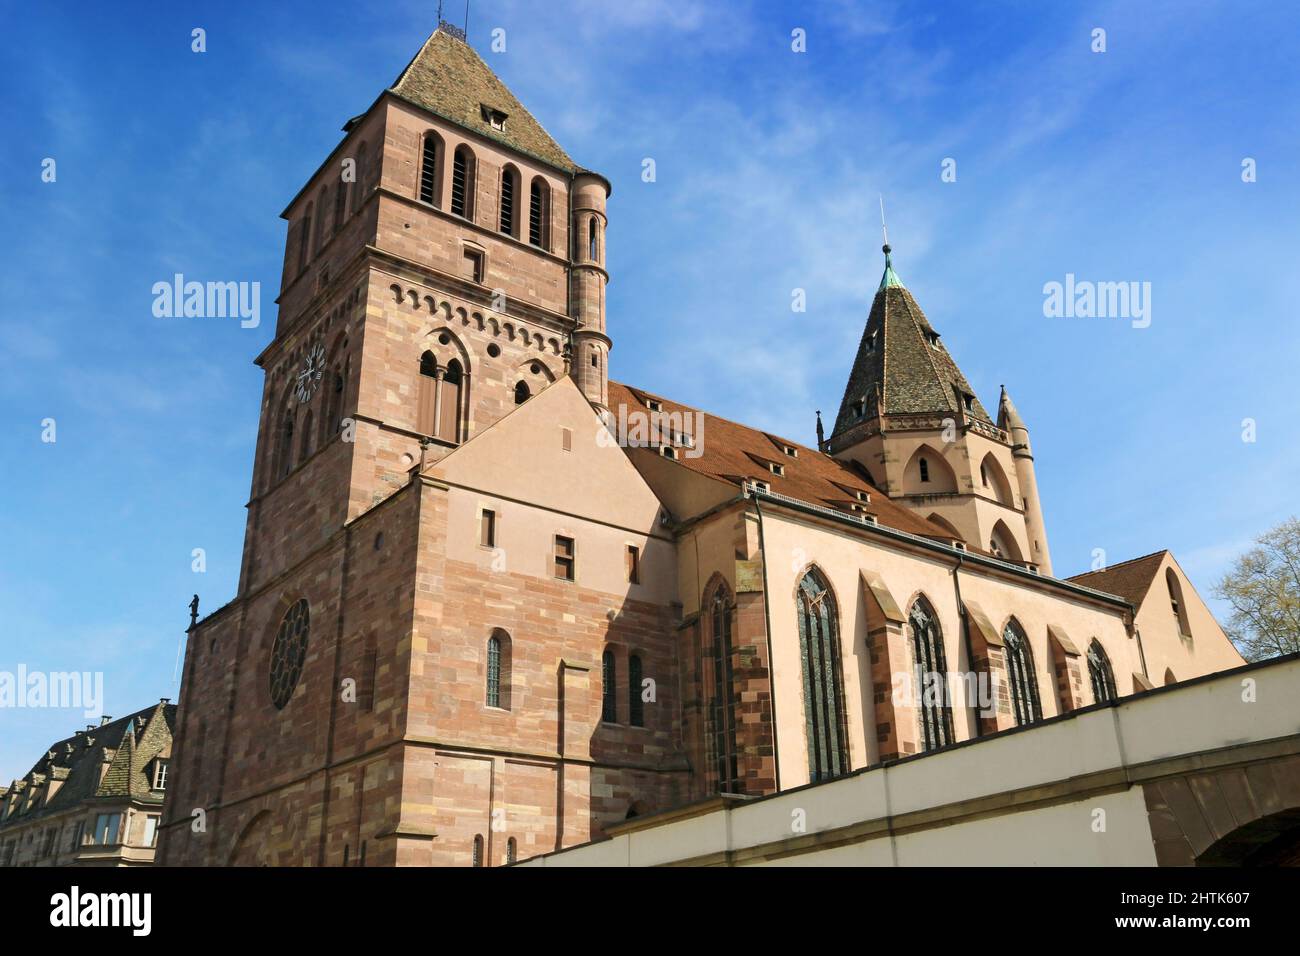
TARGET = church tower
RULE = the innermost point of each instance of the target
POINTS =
(912, 422)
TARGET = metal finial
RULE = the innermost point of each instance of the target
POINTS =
(883, 229)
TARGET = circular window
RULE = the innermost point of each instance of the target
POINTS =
(494, 350)
(288, 653)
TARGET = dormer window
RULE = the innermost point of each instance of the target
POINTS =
(494, 118)
(654, 405)
(860, 407)
(790, 450)
(668, 451)
(778, 470)
(160, 774)
(871, 343)
(969, 402)
(862, 496)
(759, 485)
(933, 338)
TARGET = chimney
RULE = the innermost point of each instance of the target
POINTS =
(103, 719)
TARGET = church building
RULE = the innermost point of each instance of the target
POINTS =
(492, 602)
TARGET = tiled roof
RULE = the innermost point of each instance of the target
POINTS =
(898, 366)
(1130, 579)
(449, 78)
(732, 452)
(132, 741)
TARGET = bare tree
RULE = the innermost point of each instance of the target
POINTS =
(1263, 588)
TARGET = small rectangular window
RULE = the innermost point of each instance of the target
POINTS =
(151, 830)
(487, 529)
(566, 439)
(160, 775)
(564, 558)
(474, 265)
(633, 564)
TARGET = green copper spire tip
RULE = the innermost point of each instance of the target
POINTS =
(890, 279)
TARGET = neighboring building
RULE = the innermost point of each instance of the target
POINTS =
(95, 798)
(1194, 775)
(492, 603)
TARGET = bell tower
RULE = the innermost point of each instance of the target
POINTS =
(911, 421)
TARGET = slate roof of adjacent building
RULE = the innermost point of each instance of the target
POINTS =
(449, 78)
(897, 368)
(1129, 579)
(129, 743)
(733, 452)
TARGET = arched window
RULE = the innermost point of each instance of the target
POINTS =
(429, 155)
(509, 196)
(449, 402)
(494, 672)
(512, 850)
(498, 670)
(462, 182)
(931, 675)
(635, 705)
(340, 203)
(284, 455)
(1020, 675)
(323, 224)
(1103, 678)
(721, 729)
(538, 211)
(332, 421)
(304, 238)
(608, 704)
(591, 238)
(359, 173)
(819, 639)
(304, 452)
(427, 408)
(477, 859)
(522, 393)
(1176, 602)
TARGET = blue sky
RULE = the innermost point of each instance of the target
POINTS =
(1115, 166)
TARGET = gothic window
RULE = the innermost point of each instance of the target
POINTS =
(477, 858)
(635, 704)
(608, 705)
(509, 193)
(522, 393)
(721, 716)
(426, 413)
(591, 239)
(538, 202)
(304, 452)
(340, 204)
(288, 653)
(1020, 675)
(322, 226)
(429, 168)
(819, 638)
(304, 238)
(1099, 671)
(450, 402)
(462, 182)
(359, 173)
(931, 675)
(925, 470)
(1176, 602)
(284, 454)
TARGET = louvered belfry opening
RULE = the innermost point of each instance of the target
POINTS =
(462, 182)
(429, 170)
(508, 202)
(536, 211)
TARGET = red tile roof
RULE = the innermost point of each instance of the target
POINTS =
(1129, 579)
(732, 452)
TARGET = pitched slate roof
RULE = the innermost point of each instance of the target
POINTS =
(732, 452)
(449, 78)
(129, 744)
(897, 368)
(1129, 579)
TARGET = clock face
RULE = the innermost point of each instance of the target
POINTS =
(313, 367)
